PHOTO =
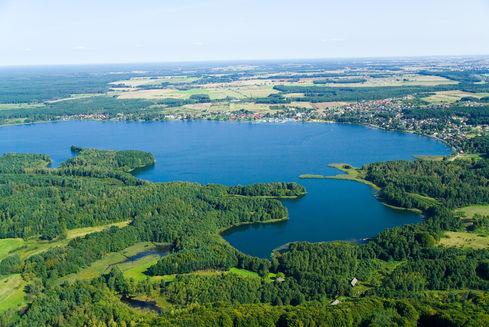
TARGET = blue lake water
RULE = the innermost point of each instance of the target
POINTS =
(243, 153)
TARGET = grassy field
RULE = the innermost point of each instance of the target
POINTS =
(9, 106)
(8, 245)
(427, 200)
(77, 96)
(244, 273)
(29, 247)
(471, 240)
(132, 269)
(443, 97)
(430, 157)
(11, 292)
(470, 211)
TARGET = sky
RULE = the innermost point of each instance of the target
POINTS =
(50, 32)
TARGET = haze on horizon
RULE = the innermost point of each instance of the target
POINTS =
(50, 32)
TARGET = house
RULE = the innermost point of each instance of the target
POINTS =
(280, 279)
(335, 302)
(354, 281)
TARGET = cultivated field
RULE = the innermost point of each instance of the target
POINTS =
(452, 96)
(217, 93)
(141, 81)
(398, 80)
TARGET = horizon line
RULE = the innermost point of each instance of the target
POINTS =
(173, 62)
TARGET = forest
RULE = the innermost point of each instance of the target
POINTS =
(453, 184)
(204, 280)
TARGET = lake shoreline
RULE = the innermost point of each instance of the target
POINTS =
(238, 153)
(453, 149)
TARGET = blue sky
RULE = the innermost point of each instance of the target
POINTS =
(109, 31)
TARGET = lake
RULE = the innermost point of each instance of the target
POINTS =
(242, 153)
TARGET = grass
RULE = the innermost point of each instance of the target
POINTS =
(134, 269)
(430, 157)
(470, 211)
(244, 273)
(427, 200)
(8, 245)
(477, 239)
(471, 240)
(351, 174)
(79, 232)
(10, 106)
(465, 156)
(29, 247)
(77, 96)
(11, 292)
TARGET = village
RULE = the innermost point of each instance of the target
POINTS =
(388, 114)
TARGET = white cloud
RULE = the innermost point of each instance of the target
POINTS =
(80, 47)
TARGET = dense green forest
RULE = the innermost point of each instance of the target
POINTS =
(454, 183)
(27, 87)
(396, 271)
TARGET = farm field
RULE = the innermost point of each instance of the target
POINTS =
(399, 80)
(447, 97)
(214, 93)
